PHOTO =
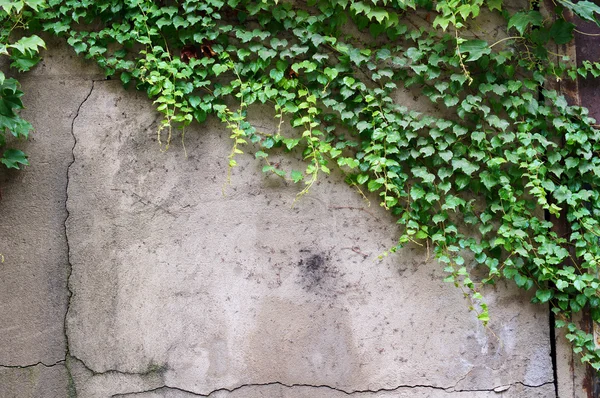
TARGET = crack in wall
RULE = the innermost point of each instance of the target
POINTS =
(552, 326)
(505, 387)
(553, 354)
(448, 390)
(61, 362)
(69, 264)
(276, 383)
(150, 371)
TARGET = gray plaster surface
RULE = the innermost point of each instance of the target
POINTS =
(177, 291)
(34, 382)
(33, 277)
(176, 285)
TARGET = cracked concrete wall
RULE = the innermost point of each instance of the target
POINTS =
(175, 290)
(33, 278)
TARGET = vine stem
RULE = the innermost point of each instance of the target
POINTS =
(505, 39)
(586, 34)
(315, 161)
(237, 132)
(462, 64)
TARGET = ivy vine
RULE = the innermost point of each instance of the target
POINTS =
(485, 186)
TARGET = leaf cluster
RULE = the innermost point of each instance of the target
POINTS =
(23, 54)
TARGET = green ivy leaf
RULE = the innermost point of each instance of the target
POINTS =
(562, 194)
(475, 49)
(579, 284)
(296, 176)
(416, 192)
(544, 295)
(29, 45)
(465, 166)
(12, 158)
(276, 75)
(584, 9)
(219, 68)
(374, 185)
(562, 31)
(331, 73)
(494, 5)
(521, 20)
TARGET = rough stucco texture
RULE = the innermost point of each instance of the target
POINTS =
(179, 291)
(33, 297)
(211, 291)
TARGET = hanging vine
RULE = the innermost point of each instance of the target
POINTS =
(509, 159)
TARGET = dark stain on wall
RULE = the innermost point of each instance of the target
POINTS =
(317, 275)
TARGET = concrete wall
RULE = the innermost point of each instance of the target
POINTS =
(129, 274)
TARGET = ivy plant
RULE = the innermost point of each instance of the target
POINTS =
(23, 54)
(484, 186)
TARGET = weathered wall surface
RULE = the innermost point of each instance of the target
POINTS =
(33, 278)
(175, 290)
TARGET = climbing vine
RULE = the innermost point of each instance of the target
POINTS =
(486, 185)
(23, 54)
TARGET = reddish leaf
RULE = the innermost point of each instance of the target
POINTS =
(188, 52)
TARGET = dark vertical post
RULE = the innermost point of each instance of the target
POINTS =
(572, 379)
(587, 44)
